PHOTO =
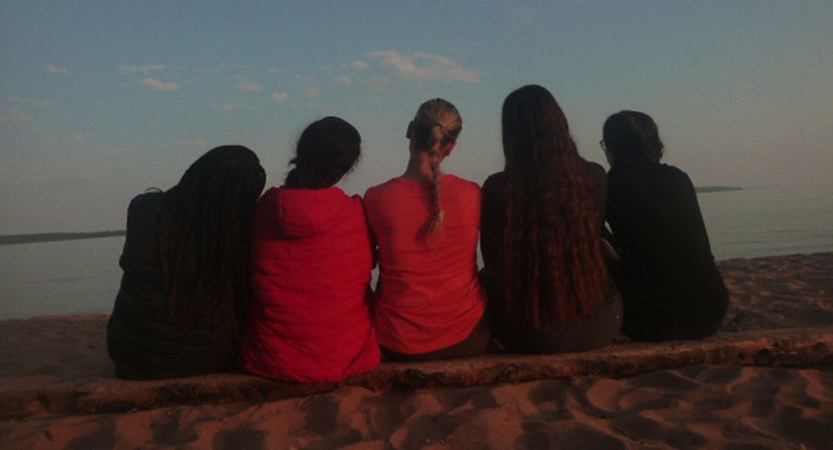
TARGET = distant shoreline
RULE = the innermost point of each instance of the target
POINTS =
(52, 237)
(707, 189)
(12, 239)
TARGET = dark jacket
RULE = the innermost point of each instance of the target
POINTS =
(143, 339)
(667, 275)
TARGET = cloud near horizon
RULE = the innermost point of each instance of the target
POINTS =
(58, 70)
(423, 66)
(244, 85)
(158, 85)
(144, 69)
(280, 97)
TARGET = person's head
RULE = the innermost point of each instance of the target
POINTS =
(534, 131)
(230, 173)
(552, 263)
(631, 137)
(327, 150)
(205, 232)
(434, 130)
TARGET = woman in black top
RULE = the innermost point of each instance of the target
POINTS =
(667, 276)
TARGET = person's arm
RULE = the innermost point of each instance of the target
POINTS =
(491, 232)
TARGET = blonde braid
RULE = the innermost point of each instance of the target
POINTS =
(434, 160)
(437, 123)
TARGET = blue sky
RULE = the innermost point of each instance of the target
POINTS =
(101, 100)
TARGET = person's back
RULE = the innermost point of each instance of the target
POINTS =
(426, 224)
(178, 310)
(541, 242)
(667, 275)
(311, 264)
(427, 296)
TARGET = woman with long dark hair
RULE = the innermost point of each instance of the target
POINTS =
(311, 263)
(669, 281)
(426, 222)
(544, 272)
(184, 293)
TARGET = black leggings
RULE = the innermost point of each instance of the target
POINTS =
(477, 343)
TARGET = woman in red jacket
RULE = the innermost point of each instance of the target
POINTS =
(311, 265)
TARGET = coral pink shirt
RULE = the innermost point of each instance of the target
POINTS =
(427, 297)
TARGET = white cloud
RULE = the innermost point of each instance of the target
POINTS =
(523, 15)
(116, 151)
(423, 66)
(357, 64)
(312, 92)
(244, 85)
(58, 70)
(280, 97)
(13, 114)
(342, 79)
(376, 83)
(32, 102)
(233, 106)
(159, 85)
(199, 143)
(144, 69)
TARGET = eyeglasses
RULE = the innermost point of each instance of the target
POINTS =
(602, 145)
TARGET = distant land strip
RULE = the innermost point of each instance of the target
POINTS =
(707, 189)
(50, 237)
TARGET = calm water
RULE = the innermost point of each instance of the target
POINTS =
(80, 277)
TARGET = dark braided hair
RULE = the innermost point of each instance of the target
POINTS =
(552, 261)
(206, 233)
(326, 151)
(437, 123)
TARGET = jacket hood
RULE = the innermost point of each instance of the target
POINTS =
(306, 213)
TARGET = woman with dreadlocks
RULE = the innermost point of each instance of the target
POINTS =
(544, 271)
(185, 288)
(429, 304)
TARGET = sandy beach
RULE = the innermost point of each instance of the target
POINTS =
(764, 382)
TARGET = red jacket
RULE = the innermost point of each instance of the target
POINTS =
(311, 268)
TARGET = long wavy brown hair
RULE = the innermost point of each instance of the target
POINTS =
(552, 261)
(206, 234)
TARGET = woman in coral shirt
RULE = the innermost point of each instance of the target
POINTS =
(429, 304)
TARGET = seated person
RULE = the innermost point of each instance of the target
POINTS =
(541, 240)
(185, 288)
(428, 302)
(311, 266)
(667, 276)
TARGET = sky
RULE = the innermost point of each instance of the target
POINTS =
(100, 101)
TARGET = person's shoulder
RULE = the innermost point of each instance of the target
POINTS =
(150, 199)
(379, 189)
(462, 183)
(494, 181)
(674, 172)
(595, 168)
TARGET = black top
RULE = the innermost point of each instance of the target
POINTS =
(667, 269)
(143, 339)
